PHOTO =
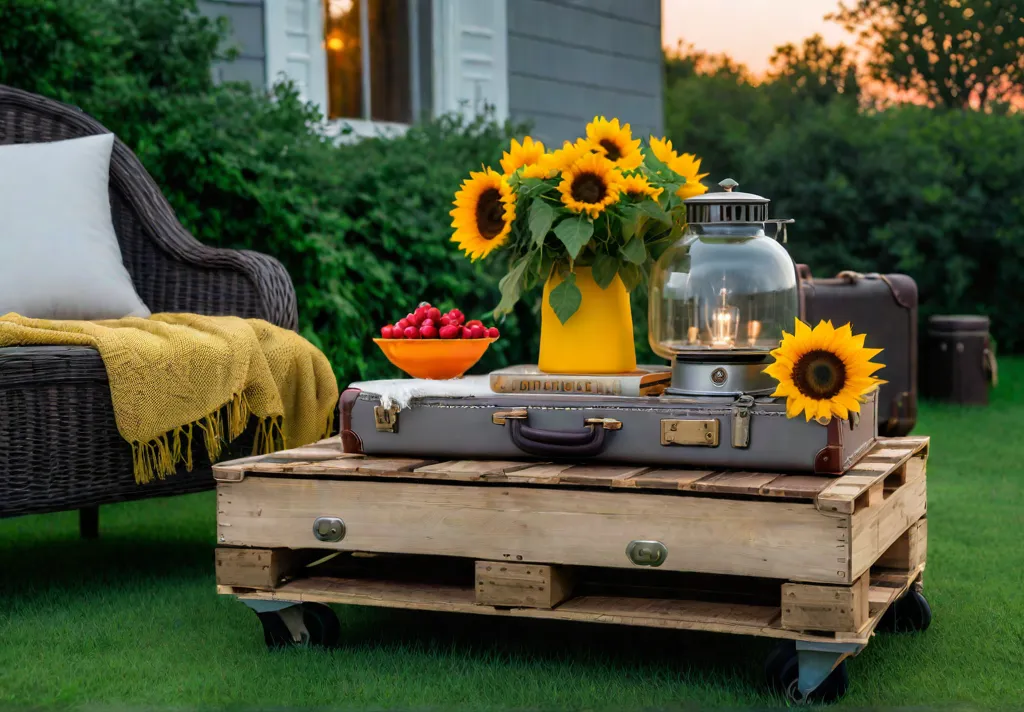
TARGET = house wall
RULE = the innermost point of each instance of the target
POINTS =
(246, 17)
(570, 60)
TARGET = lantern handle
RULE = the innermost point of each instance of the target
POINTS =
(780, 227)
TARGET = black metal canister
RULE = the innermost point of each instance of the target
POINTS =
(961, 363)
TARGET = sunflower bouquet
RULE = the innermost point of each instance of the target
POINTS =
(603, 202)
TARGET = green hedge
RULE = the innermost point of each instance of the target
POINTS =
(362, 228)
(933, 194)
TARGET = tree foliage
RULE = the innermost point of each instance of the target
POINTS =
(953, 53)
(815, 71)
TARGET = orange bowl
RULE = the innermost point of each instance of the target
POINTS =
(436, 359)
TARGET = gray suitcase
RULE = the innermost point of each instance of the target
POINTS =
(667, 431)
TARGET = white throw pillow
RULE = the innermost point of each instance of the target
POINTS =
(59, 257)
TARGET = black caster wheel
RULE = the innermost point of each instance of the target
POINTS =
(320, 623)
(782, 670)
(908, 614)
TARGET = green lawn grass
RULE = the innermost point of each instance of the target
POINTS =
(133, 619)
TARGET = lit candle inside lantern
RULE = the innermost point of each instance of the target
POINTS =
(725, 322)
(753, 331)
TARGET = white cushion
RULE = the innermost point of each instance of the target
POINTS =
(59, 257)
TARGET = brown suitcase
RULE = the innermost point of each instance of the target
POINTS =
(960, 363)
(884, 307)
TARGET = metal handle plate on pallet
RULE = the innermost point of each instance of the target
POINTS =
(329, 529)
(647, 553)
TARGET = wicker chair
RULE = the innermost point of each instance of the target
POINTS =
(59, 445)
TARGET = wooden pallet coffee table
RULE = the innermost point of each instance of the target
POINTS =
(816, 562)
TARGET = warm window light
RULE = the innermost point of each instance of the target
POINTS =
(335, 43)
(337, 8)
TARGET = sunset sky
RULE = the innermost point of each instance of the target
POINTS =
(749, 30)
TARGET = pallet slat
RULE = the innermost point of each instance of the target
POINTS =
(671, 613)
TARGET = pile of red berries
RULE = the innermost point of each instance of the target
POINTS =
(427, 322)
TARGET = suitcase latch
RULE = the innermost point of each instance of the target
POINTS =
(699, 433)
(741, 421)
(386, 419)
(501, 416)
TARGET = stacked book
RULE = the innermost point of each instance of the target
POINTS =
(644, 381)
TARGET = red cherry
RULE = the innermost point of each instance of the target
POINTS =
(401, 324)
(461, 317)
(421, 311)
(428, 332)
(449, 331)
(425, 305)
(385, 331)
(446, 320)
(428, 322)
(477, 331)
(467, 334)
(474, 322)
(433, 313)
(415, 319)
(493, 333)
(411, 332)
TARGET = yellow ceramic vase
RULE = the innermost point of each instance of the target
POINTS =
(598, 338)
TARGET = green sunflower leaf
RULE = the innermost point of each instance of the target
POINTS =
(604, 269)
(631, 275)
(532, 187)
(634, 251)
(653, 210)
(541, 217)
(510, 286)
(565, 299)
(574, 232)
(630, 220)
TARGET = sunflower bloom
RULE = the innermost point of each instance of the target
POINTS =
(526, 154)
(485, 209)
(638, 188)
(615, 142)
(823, 372)
(590, 185)
(561, 159)
(687, 165)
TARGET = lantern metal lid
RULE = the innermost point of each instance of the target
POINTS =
(726, 206)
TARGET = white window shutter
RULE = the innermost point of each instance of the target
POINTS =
(295, 47)
(471, 56)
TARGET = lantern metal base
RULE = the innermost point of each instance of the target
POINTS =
(726, 375)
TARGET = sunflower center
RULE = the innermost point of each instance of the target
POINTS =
(490, 217)
(612, 149)
(589, 188)
(819, 374)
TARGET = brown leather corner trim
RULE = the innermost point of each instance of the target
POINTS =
(829, 460)
(350, 442)
(903, 288)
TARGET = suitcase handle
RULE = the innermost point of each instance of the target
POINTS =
(556, 444)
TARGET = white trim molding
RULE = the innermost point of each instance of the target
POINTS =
(471, 56)
(294, 36)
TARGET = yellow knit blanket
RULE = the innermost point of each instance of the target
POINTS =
(173, 372)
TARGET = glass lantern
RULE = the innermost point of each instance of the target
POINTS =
(722, 295)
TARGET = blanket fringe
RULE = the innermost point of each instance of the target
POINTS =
(160, 457)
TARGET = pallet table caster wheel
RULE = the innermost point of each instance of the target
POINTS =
(909, 614)
(782, 670)
(301, 624)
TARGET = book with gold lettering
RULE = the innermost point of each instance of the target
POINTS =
(644, 381)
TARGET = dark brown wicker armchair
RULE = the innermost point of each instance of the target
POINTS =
(59, 444)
